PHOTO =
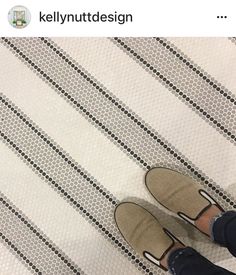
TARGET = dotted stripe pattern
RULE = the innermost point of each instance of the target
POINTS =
(157, 151)
(16, 251)
(82, 196)
(200, 72)
(63, 155)
(30, 245)
(193, 87)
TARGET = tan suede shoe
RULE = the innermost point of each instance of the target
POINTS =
(143, 232)
(178, 193)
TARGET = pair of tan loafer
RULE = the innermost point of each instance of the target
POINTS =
(176, 192)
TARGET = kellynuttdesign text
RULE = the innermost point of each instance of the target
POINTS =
(85, 17)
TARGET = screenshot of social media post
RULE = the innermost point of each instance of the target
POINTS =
(118, 137)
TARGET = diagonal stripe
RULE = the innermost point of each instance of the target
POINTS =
(119, 137)
(197, 70)
(25, 260)
(214, 55)
(100, 99)
(151, 101)
(9, 264)
(185, 80)
(63, 174)
(92, 150)
(31, 246)
(69, 230)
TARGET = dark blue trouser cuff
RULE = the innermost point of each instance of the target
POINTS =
(224, 231)
(187, 261)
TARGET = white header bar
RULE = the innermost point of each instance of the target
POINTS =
(123, 18)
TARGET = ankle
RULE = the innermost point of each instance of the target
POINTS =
(204, 222)
(176, 246)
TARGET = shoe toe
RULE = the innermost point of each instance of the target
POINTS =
(141, 229)
(176, 192)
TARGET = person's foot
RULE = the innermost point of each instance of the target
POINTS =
(144, 233)
(203, 223)
(164, 261)
(183, 196)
